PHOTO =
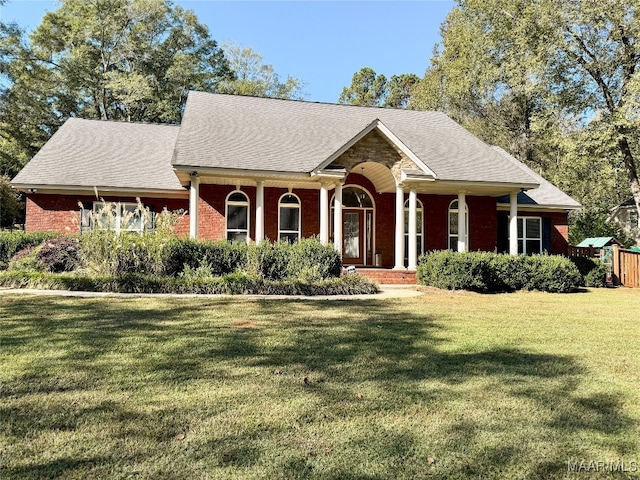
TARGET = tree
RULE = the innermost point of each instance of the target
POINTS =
(132, 60)
(400, 89)
(367, 89)
(531, 76)
(255, 78)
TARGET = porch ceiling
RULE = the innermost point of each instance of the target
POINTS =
(378, 174)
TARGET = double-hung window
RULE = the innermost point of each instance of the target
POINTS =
(529, 235)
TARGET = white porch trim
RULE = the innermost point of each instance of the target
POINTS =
(413, 230)
(399, 251)
(194, 195)
(462, 222)
(324, 213)
(513, 224)
(259, 211)
(337, 218)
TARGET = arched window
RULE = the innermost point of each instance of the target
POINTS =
(453, 226)
(419, 224)
(289, 218)
(237, 217)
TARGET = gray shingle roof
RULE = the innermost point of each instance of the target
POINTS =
(546, 194)
(250, 133)
(95, 153)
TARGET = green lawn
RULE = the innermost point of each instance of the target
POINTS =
(446, 385)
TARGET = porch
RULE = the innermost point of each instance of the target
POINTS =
(385, 276)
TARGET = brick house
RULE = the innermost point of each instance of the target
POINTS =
(382, 185)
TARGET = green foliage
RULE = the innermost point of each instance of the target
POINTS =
(131, 60)
(552, 82)
(61, 254)
(369, 89)
(11, 209)
(597, 277)
(237, 283)
(593, 223)
(12, 242)
(254, 78)
(491, 272)
(592, 270)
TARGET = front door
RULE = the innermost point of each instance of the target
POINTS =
(353, 234)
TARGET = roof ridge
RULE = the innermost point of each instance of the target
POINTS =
(123, 122)
(316, 102)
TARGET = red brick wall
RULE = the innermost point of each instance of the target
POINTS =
(61, 213)
(483, 222)
(559, 229)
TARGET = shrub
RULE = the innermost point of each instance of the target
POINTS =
(597, 276)
(593, 270)
(26, 260)
(491, 272)
(235, 283)
(61, 254)
(12, 242)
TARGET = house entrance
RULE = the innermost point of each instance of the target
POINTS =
(357, 226)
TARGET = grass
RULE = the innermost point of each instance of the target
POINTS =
(446, 386)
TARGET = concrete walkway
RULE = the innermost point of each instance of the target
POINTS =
(386, 292)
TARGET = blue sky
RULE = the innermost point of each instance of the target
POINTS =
(321, 42)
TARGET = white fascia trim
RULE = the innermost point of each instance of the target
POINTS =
(232, 172)
(83, 189)
(536, 207)
(508, 187)
(413, 176)
(330, 174)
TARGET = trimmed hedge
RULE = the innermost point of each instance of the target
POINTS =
(234, 283)
(491, 272)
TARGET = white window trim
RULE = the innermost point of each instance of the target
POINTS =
(524, 237)
(119, 206)
(420, 234)
(292, 206)
(247, 204)
(466, 229)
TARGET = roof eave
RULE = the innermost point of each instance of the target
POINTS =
(99, 190)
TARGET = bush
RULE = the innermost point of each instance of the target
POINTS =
(491, 272)
(594, 271)
(12, 242)
(235, 283)
(61, 254)
(597, 276)
(26, 260)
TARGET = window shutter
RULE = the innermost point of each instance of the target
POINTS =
(546, 235)
(85, 217)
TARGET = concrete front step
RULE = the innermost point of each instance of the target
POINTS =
(386, 276)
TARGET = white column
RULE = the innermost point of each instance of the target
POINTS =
(399, 260)
(413, 230)
(513, 224)
(259, 211)
(462, 222)
(337, 218)
(324, 213)
(194, 195)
